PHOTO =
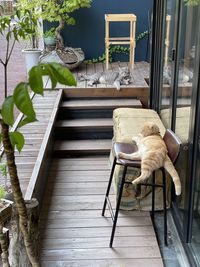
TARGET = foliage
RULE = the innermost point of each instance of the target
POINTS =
(2, 191)
(191, 2)
(21, 100)
(116, 49)
(30, 14)
(13, 28)
(55, 10)
(49, 33)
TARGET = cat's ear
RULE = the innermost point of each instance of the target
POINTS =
(155, 129)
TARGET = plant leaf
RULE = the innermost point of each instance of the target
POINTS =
(63, 75)
(17, 139)
(7, 110)
(22, 100)
(26, 121)
(35, 80)
(47, 70)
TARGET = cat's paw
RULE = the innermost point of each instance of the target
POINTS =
(119, 155)
(178, 190)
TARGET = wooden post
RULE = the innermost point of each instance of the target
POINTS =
(131, 18)
(18, 254)
(107, 42)
(168, 19)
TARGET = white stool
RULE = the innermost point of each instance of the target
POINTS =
(131, 18)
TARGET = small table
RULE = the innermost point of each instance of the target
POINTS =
(131, 18)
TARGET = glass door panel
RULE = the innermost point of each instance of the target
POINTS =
(169, 44)
(188, 30)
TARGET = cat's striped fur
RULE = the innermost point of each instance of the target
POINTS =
(152, 152)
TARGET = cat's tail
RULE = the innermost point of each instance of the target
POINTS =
(169, 167)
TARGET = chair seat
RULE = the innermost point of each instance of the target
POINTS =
(128, 149)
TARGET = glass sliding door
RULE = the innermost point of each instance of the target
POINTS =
(183, 97)
(170, 32)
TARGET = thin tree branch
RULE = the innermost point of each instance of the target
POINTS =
(11, 50)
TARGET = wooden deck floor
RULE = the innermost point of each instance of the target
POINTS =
(73, 231)
(33, 134)
(138, 75)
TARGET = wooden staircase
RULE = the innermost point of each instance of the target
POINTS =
(85, 127)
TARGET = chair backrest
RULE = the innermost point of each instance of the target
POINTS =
(173, 144)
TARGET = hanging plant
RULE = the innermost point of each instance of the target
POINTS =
(116, 49)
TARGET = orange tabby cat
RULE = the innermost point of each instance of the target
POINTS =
(152, 152)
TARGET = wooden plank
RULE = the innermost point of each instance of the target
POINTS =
(102, 145)
(80, 167)
(105, 263)
(100, 103)
(34, 183)
(85, 123)
(103, 253)
(99, 242)
(96, 222)
(81, 191)
(81, 176)
(80, 214)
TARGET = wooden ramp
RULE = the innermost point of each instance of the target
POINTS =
(73, 231)
(33, 134)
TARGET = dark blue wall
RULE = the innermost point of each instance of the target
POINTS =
(89, 31)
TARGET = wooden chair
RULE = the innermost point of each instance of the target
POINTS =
(173, 147)
(131, 18)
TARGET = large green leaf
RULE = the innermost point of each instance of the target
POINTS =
(22, 100)
(17, 139)
(63, 75)
(7, 110)
(35, 80)
(47, 70)
(25, 121)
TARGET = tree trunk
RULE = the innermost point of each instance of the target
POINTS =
(59, 39)
(17, 194)
(18, 253)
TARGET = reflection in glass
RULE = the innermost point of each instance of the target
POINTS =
(186, 54)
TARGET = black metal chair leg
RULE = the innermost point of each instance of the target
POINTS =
(153, 195)
(118, 205)
(109, 185)
(164, 206)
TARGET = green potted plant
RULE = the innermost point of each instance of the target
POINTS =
(55, 11)
(50, 37)
(10, 140)
(32, 52)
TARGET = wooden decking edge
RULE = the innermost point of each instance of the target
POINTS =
(38, 178)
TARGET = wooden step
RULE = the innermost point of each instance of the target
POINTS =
(82, 124)
(79, 147)
(100, 103)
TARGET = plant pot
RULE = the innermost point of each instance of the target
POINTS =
(31, 57)
(50, 41)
